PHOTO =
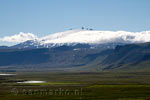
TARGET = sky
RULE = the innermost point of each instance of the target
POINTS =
(44, 17)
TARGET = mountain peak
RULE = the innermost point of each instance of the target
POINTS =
(84, 36)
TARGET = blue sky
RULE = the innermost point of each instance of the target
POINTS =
(43, 17)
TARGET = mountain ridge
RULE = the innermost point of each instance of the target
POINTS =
(80, 57)
(91, 37)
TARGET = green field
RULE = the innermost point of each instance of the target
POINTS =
(76, 86)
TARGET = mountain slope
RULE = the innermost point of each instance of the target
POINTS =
(128, 55)
(80, 56)
(62, 56)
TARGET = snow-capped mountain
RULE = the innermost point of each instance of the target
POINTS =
(94, 38)
(74, 48)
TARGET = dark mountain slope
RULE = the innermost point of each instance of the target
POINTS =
(79, 56)
(24, 57)
(132, 54)
(62, 56)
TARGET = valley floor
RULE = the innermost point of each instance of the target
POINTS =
(76, 86)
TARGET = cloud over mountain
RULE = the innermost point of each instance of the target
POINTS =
(18, 38)
(83, 36)
(86, 36)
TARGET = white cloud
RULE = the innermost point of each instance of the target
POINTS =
(82, 36)
(21, 37)
(85, 36)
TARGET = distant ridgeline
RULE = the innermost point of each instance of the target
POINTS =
(83, 49)
(79, 56)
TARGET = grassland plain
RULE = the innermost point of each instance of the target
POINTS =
(76, 86)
